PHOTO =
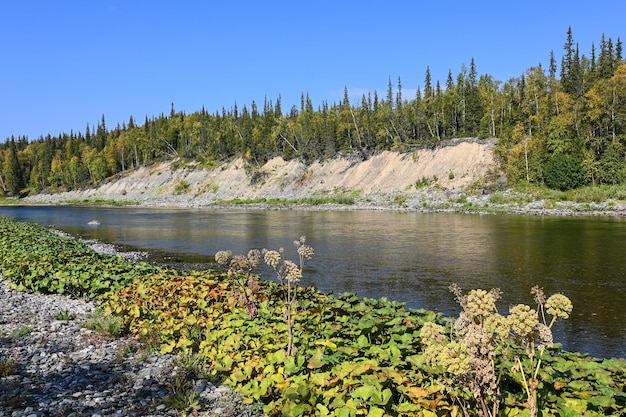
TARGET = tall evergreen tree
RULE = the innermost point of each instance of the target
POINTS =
(11, 171)
(552, 67)
(428, 84)
(473, 108)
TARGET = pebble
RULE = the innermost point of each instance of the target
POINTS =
(64, 369)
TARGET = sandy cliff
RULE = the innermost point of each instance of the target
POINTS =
(449, 168)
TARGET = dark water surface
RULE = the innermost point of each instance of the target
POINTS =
(409, 257)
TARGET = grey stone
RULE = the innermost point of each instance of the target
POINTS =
(68, 370)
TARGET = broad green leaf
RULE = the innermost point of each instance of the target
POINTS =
(376, 412)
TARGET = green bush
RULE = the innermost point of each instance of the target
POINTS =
(564, 172)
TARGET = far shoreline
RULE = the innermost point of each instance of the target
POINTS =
(420, 203)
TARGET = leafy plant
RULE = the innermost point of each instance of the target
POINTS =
(193, 365)
(289, 274)
(472, 361)
(242, 268)
(423, 182)
(399, 199)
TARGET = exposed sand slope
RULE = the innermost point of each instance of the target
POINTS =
(453, 167)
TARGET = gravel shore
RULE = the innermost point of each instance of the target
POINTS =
(52, 365)
(429, 201)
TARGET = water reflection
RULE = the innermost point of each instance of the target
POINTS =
(408, 257)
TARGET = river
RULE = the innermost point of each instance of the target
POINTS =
(408, 257)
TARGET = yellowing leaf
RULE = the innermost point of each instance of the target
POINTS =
(417, 392)
(191, 320)
(167, 347)
(183, 342)
(316, 360)
(326, 343)
(322, 411)
(134, 311)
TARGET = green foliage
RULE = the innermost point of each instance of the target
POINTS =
(106, 325)
(181, 186)
(65, 315)
(34, 258)
(532, 115)
(183, 396)
(424, 182)
(102, 202)
(21, 332)
(7, 366)
(351, 343)
(564, 172)
(342, 197)
(399, 199)
(354, 356)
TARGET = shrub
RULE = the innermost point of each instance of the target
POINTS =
(181, 187)
(564, 172)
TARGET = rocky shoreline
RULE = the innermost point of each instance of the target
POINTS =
(425, 202)
(52, 365)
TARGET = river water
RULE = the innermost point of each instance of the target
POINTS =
(408, 257)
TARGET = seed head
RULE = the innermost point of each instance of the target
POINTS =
(497, 325)
(272, 258)
(306, 251)
(455, 358)
(222, 257)
(292, 272)
(432, 333)
(481, 303)
(545, 334)
(559, 306)
(240, 265)
(463, 323)
(523, 320)
(254, 255)
(540, 297)
(478, 342)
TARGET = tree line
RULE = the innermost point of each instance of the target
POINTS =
(563, 130)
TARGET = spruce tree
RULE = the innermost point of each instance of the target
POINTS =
(11, 171)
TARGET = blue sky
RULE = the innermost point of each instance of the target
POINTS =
(66, 63)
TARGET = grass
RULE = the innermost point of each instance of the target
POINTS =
(181, 187)
(103, 324)
(65, 315)
(7, 367)
(6, 201)
(587, 194)
(21, 332)
(342, 197)
(102, 202)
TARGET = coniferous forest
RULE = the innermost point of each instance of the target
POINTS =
(563, 126)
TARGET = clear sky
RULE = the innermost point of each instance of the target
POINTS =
(63, 64)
